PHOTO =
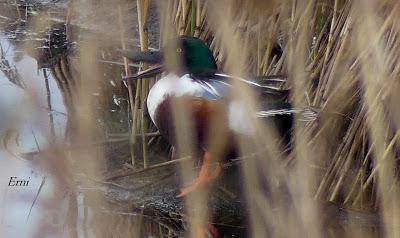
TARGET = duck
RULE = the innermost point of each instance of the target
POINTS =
(191, 76)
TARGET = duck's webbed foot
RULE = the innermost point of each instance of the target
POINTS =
(205, 177)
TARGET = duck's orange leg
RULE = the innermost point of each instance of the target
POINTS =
(204, 176)
(203, 232)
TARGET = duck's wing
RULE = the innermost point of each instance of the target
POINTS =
(274, 97)
(271, 87)
(211, 88)
(273, 104)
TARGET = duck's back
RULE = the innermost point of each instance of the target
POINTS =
(205, 99)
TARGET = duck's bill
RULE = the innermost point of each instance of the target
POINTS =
(148, 73)
(152, 57)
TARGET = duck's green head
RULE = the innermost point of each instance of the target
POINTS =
(195, 56)
(187, 55)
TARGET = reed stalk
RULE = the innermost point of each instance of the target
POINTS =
(132, 99)
(142, 12)
(49, 106)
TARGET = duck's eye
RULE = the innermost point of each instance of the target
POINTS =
(179, 50)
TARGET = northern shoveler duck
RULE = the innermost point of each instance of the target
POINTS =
(194, 79)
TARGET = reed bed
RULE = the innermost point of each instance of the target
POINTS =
(341, 61)
(325, 53)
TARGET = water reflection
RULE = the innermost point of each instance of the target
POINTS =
(37, 86)
(24, 129)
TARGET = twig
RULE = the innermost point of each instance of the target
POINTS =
(36, 197)
(149, 134)
(130, 173)
(46, 80)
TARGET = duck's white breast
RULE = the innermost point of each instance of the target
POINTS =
(175, 86)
